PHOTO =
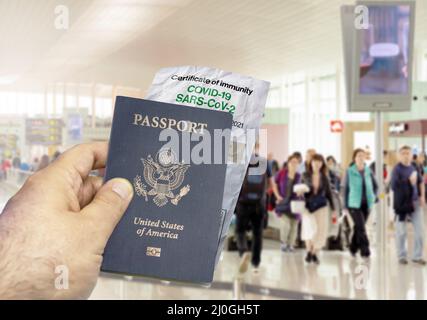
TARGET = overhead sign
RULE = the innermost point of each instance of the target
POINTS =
(43, 131)
(337, 126)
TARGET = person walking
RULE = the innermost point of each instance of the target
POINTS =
(250, 208)
(360, 190)
(409, 199)
(315, 220)
(283, 190)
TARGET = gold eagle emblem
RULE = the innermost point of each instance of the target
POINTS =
(164, 175)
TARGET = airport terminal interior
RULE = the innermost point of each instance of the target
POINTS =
(64, 63)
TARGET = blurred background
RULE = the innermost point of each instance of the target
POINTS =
(62, 64)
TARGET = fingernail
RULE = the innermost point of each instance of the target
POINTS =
(123, 188)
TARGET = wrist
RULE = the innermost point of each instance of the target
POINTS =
(24, 274)
(8, 281)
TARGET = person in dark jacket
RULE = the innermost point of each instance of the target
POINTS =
(283, 190)
(249, 214)
(408, 187)
(315, 220)
(360, 192)
(250, 208)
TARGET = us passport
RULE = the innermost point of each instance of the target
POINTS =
(175, 158)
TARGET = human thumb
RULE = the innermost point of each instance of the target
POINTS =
(108, 206)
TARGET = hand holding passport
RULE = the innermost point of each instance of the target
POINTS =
(170, 229)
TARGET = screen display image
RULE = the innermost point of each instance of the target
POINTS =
(385, 50)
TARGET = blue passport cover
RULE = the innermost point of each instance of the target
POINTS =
(170, 229)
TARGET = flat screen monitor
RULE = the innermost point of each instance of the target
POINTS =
(382, 57)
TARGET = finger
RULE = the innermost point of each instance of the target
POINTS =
(83, 158)
(107, 207)
(88, 190)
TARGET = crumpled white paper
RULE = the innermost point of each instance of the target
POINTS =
(243, 96)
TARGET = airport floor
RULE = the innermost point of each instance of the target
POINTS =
(286, 276)
(281, 276)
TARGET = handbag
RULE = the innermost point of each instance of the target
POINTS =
(283, 206)
(316, 202)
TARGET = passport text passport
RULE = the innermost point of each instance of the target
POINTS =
(175, 158)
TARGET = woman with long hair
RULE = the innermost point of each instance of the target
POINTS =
(315, 219)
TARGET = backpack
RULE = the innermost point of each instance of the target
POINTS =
(253, 189)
